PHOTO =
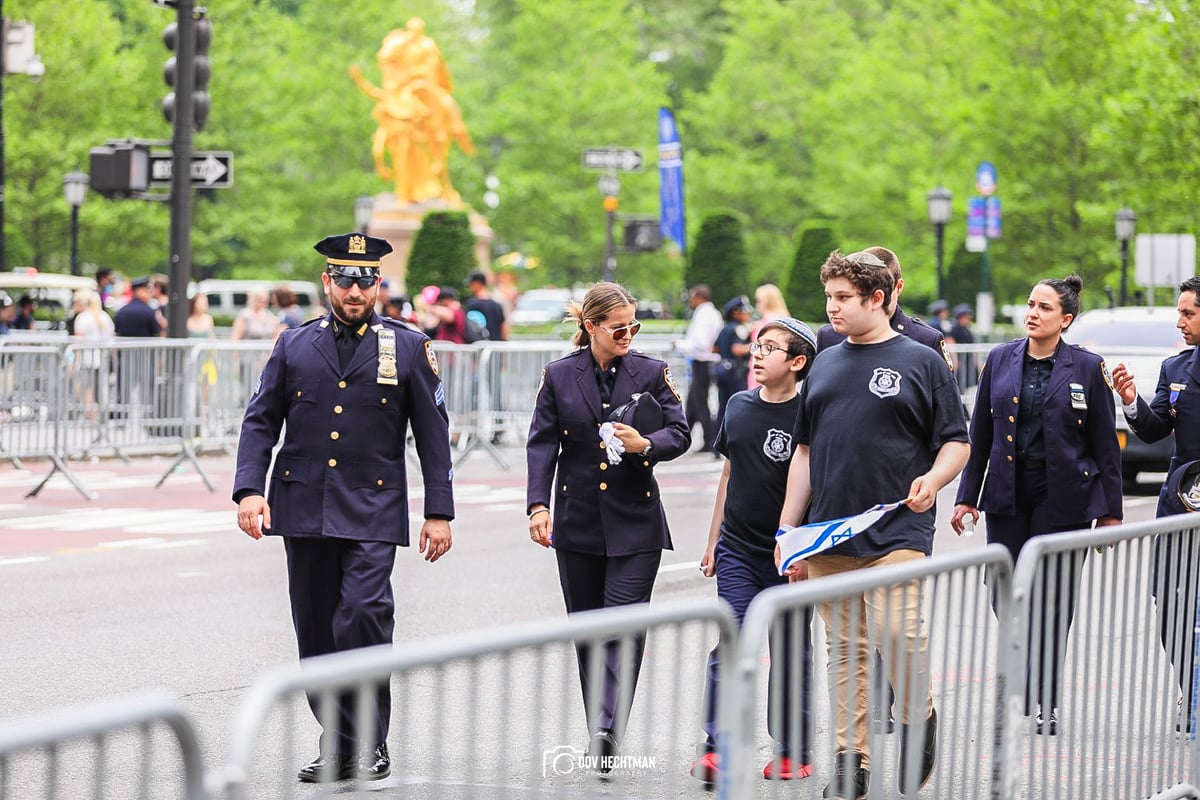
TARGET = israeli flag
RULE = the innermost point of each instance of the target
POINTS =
(808, 540)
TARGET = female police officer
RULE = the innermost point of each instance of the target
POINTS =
(608, 528)
(1044, 432)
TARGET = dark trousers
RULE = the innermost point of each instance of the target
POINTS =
(739, 580)
(730, 380)
(1056, 587)
(1176, 573)
(590, 582)
(341, 593)
(697, 410)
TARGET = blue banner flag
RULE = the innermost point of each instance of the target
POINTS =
(808, 540)
(670, 177)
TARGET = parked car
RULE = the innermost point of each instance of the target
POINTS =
(539, 306)
(1139, 337)
(227, 297)
(51, 290)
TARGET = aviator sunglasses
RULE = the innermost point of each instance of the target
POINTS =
(345, 281)
(619, 334)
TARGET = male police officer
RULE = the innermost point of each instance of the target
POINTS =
(347, 386)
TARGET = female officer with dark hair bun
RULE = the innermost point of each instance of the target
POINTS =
(608, 528)
(1044, 434)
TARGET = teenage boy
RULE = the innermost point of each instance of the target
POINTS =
(756, 440)
(880, 420)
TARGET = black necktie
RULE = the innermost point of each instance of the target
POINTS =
(606, 378)
(347, 343)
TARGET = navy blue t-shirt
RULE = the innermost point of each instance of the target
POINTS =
(756, 436)
(874, 417)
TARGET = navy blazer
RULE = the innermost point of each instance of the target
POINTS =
(1083, 458)
(901, 323)
(341, 471)
(601, 508)
(1156, 420)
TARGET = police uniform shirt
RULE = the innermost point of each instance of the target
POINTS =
(1035, 381)
(1175, 409)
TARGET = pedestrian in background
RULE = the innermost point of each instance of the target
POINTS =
(756, 441)
(137, 318)
(447, 318)
(291, 315)
(482, 304)
(733, 348)
(960, 333)
(348, 388)
(92, 327)
(1174, 411)
(881, 420)
(1044, 459)
(768, 305)
(607, 524)
(697, 345)
(255, 321)
(24, 319)
(939, 317)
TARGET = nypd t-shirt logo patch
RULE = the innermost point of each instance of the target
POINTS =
(778, 445)
(885, 382)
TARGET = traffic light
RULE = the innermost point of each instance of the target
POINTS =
(201, 70)
(119, 170)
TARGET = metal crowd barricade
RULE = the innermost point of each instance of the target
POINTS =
(514, 373)
(460, 366)
(961, 666)
(33, 405)
(139, 745)
(225, 373)
(499, 712)
(1125, 727)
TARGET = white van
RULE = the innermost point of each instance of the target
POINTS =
(51, 290)
(227, 297)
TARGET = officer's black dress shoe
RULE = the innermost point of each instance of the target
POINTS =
(924, 737)
(326, 769)
(376, 765)
(603, 747)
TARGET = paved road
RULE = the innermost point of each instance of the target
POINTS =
(149, 587)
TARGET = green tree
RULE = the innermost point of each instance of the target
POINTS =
(803, 293)
(443, 251)
(719, 257)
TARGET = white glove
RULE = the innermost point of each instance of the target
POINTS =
(614, 448)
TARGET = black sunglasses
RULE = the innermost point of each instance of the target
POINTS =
(345, 281)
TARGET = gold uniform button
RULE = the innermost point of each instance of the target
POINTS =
(648, 494)
(604, 487)
(1009, 458)
(1009, 437)
(337, 409)
(564, 487)
(1011, 418)
(297, 393)
(1085, 473)
(602, 445)
(379, 483)
(566, 432)
(645, 463)
(341, 384)
(334, 435)
(333, 462)
(1078, 422)
(1016, 399)
(383, 400)
(603, 465)
(287, 472)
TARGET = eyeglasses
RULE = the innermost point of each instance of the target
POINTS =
(345, 281)
(766, 348)
(864, 258)
(622, 332)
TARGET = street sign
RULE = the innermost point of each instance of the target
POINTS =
(604, 159)
(985, 178)
(210, 169)
(609, 186)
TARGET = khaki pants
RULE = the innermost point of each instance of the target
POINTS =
(888, 619)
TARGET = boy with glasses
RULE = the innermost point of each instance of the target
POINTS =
(757, 442)
(880, 420)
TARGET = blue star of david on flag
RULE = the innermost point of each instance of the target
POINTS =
(808, 540)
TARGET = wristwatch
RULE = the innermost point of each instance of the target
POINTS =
(649, 447)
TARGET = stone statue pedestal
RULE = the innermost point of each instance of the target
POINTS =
(399, 223)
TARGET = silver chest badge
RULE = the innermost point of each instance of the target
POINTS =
(387, 356)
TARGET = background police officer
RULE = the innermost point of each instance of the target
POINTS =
(347, 385)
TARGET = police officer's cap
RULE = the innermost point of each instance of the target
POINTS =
(963, 308)
(938, 306)
(354, 255)
(642, 413)
(140, 283)
(739, 303)
(1183, 488)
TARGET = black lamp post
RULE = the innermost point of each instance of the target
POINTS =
(939, 215)
(75, 186)
(1126, 221)
(364, 207)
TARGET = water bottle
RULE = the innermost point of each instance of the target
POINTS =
(968, 525)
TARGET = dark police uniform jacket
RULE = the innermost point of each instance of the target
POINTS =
(1083, 459)
(901, 323)
(601, 508)
(341, 471)
(1182, 415)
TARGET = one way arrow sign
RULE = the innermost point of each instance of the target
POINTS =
(210, 170)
